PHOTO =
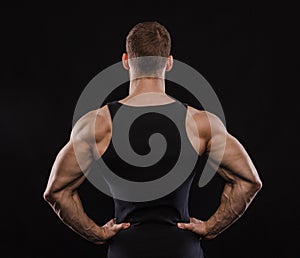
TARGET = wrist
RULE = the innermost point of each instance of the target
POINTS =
(100, 236)
(209, 230)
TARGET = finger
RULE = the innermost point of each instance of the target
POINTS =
(189, 226)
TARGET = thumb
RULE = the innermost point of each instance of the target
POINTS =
(189, 226)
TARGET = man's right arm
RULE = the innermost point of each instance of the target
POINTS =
(68, 173)
(241, 178)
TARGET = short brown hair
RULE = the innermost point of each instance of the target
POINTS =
(148, 39)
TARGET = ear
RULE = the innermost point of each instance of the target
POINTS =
(169, 63)
(125, 61)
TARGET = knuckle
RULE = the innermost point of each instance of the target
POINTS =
(193, 226)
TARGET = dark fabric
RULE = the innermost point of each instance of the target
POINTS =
(153, 231)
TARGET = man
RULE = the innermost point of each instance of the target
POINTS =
(91, 137)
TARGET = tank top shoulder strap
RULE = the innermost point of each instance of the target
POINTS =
(113, 107)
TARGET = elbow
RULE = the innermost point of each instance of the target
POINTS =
(48, 196)
(251, 188)
(51, 197)
(256, 185)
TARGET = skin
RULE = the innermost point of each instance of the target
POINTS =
(90, 138)
(242, 182)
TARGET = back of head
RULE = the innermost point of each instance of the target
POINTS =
(148, 46)
(148, 39)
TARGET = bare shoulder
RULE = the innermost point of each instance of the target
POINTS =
(206, 122)
(92, 126)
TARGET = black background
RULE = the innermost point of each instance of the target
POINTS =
(49, 56)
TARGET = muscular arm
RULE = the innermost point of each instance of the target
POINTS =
(241, 185)
(231, 161)
(67, 175)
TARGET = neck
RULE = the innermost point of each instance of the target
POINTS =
(144, 85)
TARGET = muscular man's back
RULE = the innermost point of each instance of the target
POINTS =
(91, 139)
(197, 122)
(153, 229)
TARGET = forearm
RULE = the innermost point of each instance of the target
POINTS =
(68, 207)
(235, 199)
